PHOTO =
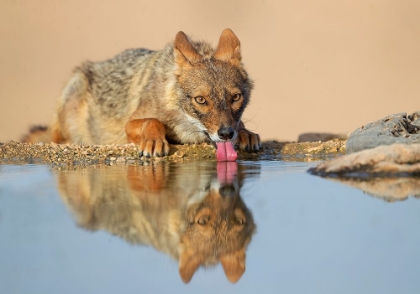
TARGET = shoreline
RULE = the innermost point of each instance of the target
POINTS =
(79, 154)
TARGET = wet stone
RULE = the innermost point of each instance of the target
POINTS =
(120, 160)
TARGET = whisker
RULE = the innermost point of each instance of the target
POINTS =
(245, 120)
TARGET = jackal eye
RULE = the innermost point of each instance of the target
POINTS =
(239, 221)
(200, 100)
(203, 220)
(239, 217)
(236, 97)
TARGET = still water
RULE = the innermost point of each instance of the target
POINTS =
(246, 227)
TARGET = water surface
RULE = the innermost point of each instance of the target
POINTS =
(129, 229)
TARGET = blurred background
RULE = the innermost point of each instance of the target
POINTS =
(318, 66)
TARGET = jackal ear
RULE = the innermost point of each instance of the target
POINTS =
(234, 265)
(184, 51)
(188, 264)
(229, 48)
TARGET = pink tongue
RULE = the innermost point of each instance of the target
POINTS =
(226, 152)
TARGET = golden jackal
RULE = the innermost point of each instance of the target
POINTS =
(191, 212)
(188, 92)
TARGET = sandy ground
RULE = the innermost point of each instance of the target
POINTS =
(79, 154)
(324, 66)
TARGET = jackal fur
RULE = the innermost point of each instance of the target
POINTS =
(188, 92)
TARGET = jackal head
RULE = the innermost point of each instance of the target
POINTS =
(213, 84)
(219, 228)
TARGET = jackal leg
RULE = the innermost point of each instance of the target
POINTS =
(149, 134)
(248, 140)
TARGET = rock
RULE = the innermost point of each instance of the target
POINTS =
(179, 154)
(120, 160)
(319, 137)
(396, 128)
(324, 150)
(392, 160)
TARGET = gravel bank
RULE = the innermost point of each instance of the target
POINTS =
(67, 154)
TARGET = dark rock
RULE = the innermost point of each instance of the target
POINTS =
(319, 137)
(396, 128)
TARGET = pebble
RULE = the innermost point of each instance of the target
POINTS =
(120, 160)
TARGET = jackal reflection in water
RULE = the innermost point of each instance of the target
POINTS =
(193, 211)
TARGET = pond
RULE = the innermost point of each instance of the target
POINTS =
(202, 227)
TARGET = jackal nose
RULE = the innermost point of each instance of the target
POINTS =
(227, 191)
(226, 133)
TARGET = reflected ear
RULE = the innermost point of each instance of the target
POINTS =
(188, 264)
(229, 48)
(184, 52)
(234, 265)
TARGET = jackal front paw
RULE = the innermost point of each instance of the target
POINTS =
(149, 135)
(248, 141)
